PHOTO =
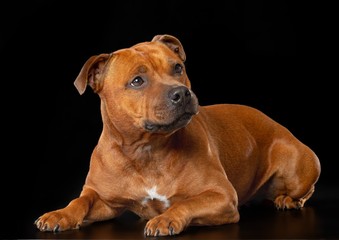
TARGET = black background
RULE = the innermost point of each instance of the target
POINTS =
(258, 53)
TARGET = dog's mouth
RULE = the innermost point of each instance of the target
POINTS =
(179, 122)
(176, 111)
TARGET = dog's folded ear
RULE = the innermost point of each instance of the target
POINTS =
(91, 73)
(173, 43)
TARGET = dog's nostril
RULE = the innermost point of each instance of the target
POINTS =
(176, 98)
(178, 94)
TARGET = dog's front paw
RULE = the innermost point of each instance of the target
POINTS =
(163, 226)
(57, 221)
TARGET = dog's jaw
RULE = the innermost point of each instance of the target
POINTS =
(178, 123)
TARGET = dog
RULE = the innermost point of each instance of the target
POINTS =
(171, 161)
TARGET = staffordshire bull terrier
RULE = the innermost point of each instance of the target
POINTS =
(171, 161)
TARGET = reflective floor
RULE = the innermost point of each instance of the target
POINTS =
(317, 220)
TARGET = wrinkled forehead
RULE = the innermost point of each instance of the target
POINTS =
(151, 54)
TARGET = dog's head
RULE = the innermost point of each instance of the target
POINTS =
(145, 86)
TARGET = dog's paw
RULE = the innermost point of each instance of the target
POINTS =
(163, 226)
(283, 202)
(56, 221)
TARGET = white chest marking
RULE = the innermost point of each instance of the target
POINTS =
(153, 195)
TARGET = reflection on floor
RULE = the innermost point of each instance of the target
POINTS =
(317, 220)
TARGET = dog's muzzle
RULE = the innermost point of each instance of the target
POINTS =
(182, 104)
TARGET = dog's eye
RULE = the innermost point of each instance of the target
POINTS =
(178, 68)
(137, 82)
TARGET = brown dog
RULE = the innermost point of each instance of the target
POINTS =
(169, 160)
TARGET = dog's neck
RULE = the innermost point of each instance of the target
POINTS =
(149, 147)
(138, 144)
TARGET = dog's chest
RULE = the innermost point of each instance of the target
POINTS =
(153, 195)
(151, 203)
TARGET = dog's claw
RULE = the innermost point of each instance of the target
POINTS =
(36, 221)
(299, 205)
(56, 228)
(44, 228)
(280, 208)
(147, 232)
(171, 231)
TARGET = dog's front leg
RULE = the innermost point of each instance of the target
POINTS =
(208, 208)
(88, 206)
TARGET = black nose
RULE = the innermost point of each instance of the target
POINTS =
(179, 95)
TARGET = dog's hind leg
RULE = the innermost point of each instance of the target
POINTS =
(282, 202)
(297, 172)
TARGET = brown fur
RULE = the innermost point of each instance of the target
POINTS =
(171, 161)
